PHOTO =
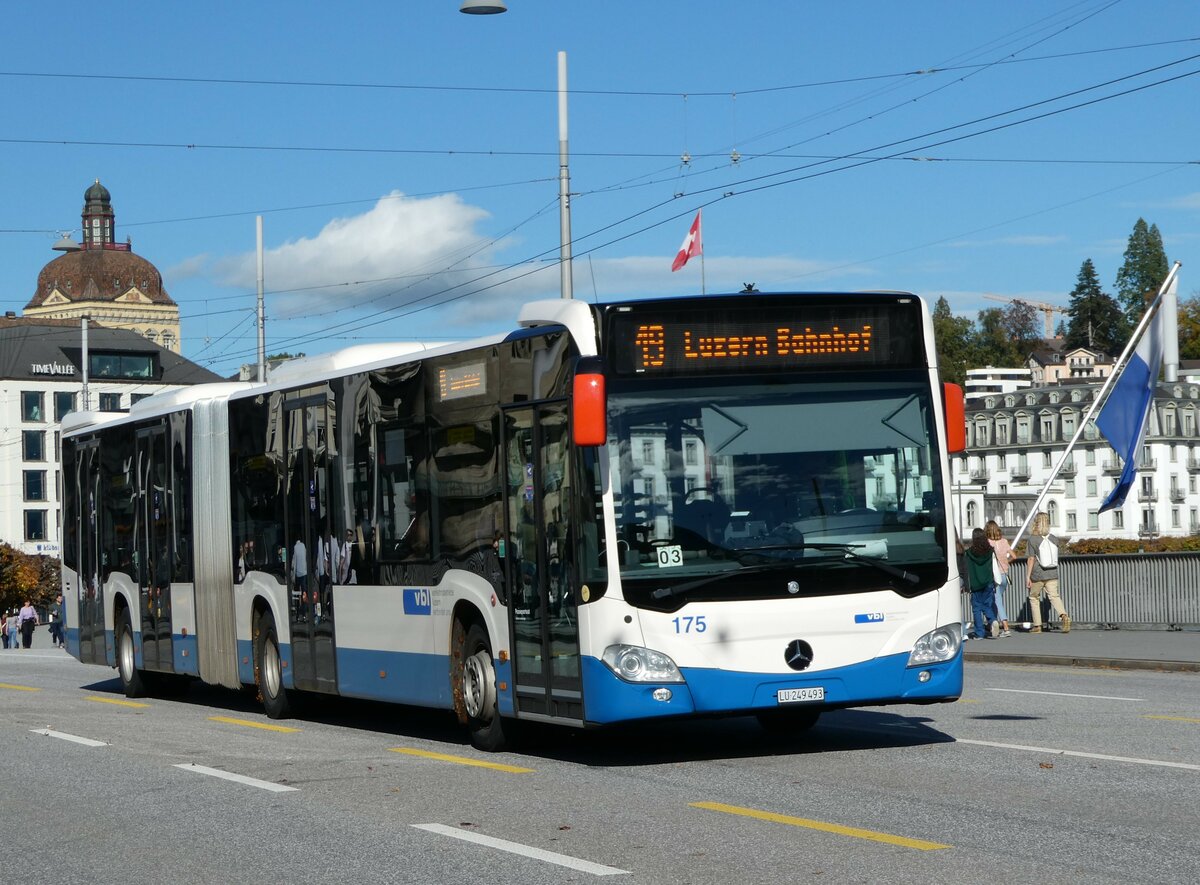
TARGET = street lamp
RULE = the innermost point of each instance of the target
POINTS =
(483, 7)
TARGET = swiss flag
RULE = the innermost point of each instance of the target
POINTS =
(691, 246)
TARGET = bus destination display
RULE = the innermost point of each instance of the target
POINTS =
(778, 338)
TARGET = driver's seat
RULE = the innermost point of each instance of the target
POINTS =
(705, 517)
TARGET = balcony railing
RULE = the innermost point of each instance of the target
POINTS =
(980, 474)
(1193, 465)
(1147, 495)
(1114, 467)
(1020, 471)
(1147, 464)
(1068, 469)
(1178, 496)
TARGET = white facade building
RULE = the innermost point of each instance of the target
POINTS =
(41, 380)
(1015, 439)
(980, 382)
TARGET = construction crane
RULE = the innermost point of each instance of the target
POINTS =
(1048, 309)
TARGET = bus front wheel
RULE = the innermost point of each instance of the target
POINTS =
(268, 669)
(486, 726)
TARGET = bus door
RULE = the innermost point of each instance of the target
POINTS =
(542, 601)
(308, 535)
(154, 548)
(91, 576)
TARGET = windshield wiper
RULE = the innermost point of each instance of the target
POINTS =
(853, 555)
(847, 550)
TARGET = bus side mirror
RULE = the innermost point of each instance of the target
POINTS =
(956, 418)
(589, 405)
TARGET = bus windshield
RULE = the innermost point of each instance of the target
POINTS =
(835, 481)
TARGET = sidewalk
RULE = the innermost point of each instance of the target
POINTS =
(1082, 647)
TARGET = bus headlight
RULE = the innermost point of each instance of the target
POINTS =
(937, 645)
(636, 664)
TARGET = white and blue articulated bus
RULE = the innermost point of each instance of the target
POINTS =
(701, 506)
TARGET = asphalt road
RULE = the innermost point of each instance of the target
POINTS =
(1047, 774)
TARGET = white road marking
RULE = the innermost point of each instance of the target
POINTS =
(1082, 755)
(1063, 694)
(562, 860)
(63, 736)
(237, 778)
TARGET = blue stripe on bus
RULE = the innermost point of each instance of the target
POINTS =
(400, 677)
(188, 664)
(883, 680)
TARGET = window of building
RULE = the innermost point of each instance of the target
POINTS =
(64, 404)
(35, 485)
(1046, 458)
(1070, 488)
(972, 515)
(1147, 520)
(121, 365)
(110, 402)
(1174, 517)
(1118, 519)
(1052, 512)
(1071, 522)
(1047, 429)
(138, 397)
(1002, 461)
(33, 445)
(689, 453)
(1004, 488)
(32, 407)
(1091, 487)
(35, 525)
(1093, 520)
(1090, 457)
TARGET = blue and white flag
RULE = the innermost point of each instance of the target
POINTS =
(1126, 412)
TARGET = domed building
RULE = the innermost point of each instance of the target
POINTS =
(105, 281)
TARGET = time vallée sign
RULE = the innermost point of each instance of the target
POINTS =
(51, 369)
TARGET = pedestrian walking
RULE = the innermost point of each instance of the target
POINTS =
(57, 635)
(1004, 557)
(981, 579)
(13, 629)
(28, 619)
(1043, 573)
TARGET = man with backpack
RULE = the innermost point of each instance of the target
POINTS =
(1042, 574)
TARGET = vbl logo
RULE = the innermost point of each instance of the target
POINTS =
(869, 618)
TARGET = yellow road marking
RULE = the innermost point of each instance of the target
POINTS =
(1173, 718)
(966, 701)
(249, 723)
(462, 760)
(117, 701)
(17, 687)
(902, 841)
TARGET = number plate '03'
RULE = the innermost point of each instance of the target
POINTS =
(799, 695)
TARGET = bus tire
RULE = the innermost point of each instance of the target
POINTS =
(131, 677)
(268, 669)
(788, 722)
(487, 728)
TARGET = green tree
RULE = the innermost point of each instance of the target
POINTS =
(1189, 327)
(1096, 320)
(952, 338)
(1143, 270)
(993, 341)
(26, 577)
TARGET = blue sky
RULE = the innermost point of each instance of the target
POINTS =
(404, 156)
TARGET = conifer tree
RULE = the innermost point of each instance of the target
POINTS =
(1143, 271)
(1096, 320)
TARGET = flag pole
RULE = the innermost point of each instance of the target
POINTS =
(703, 285)
(1118, 367)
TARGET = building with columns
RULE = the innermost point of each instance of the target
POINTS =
(106, 281)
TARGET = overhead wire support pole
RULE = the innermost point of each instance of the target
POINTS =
(564, 183)
(262, 329)
(1118, 367)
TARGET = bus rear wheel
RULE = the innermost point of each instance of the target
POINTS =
(268, 669)
(488, 730)
(788, 722)
(131, 676)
